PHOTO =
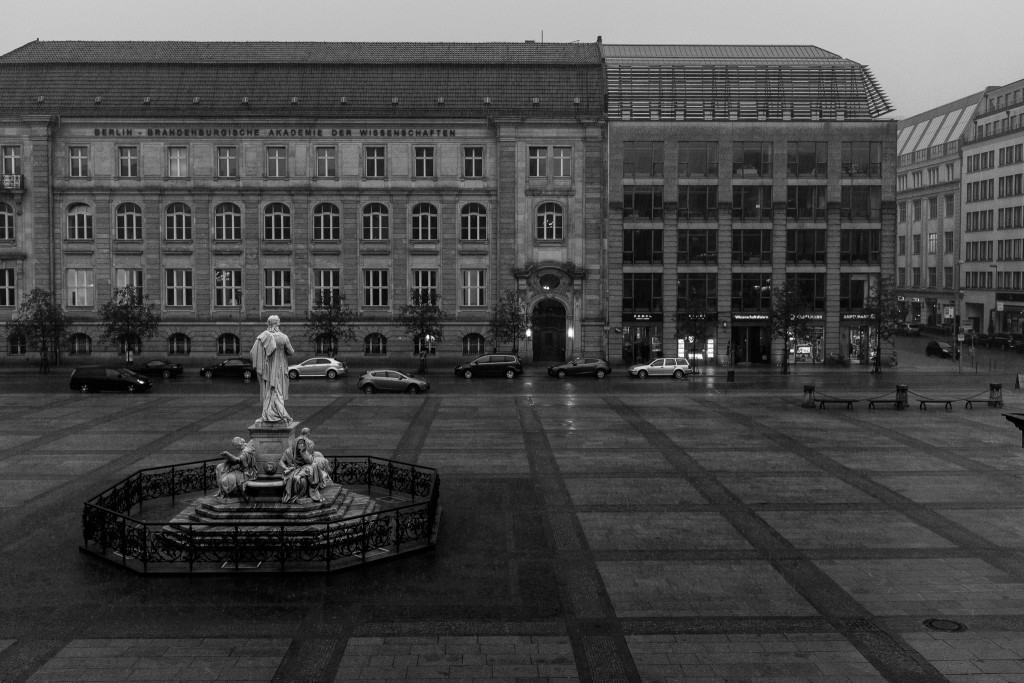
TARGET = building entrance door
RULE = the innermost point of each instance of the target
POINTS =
(548, 322)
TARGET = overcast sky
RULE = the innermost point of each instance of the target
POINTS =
(924, 53)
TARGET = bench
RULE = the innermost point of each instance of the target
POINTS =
(848, 401)
(897, 403)
(948, 403)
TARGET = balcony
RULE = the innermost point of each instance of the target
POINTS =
(12, 183)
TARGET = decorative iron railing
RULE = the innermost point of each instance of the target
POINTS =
(110, 530)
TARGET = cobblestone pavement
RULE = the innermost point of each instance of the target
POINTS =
(590, 532)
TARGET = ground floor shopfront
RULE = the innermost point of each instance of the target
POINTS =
(991, 312)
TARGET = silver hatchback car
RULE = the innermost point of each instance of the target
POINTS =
(318, 367)
(662, 367)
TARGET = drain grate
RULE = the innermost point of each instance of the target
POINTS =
(947, 625)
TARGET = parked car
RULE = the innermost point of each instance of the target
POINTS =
(495, 364)
(941, 349)
(98, 378)
(390, 380)
(232, 367)
(318, 367)
(1005, 341)
(598, 367)
(909, 329)
(662, 367)
(158, 368)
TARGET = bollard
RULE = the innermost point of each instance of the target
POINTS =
(995, 395)
(730, 376)
(808, 396)
(901, 395)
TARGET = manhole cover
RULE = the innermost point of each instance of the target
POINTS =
(943, 625)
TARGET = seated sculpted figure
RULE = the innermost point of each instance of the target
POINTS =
(237, 470)
(305, 471)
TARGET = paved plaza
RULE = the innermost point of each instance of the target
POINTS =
(591, 531)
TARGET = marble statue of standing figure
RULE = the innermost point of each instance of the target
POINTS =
(269, 355)
(237, 470)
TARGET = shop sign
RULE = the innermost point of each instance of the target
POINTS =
(809, 316)
(856, 316)
(740, 317)
(643, 318)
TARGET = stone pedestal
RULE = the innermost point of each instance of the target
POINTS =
(270, 439)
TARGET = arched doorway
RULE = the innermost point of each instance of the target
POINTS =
(548, 322)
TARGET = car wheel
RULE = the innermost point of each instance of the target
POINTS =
(599, 373)
(84, 388)
(511, 374)
(368, 389)
(208, 374)
(331, 374)
(247, 374)
(467, 374)
(166, 374)
(294, 374)
(131, 388)
(413, 389)
(561, 374)
(642, 374)
(678, 374)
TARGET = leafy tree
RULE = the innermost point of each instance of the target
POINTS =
(128, 318)
(331, 319)
(882, 303)
(510, 321)
(43, 324)
(786, 317)
(423, 320)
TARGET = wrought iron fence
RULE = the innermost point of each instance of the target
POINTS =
(110, 530)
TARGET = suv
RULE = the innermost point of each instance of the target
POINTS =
(1005, 341)
(110, 379)
(493, 364)
(662, 367)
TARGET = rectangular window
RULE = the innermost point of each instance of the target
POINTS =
(326, 162)
(915, 277)
(227, 162)
(805, 246)
(644, 159)
(752, 246)
(424, 285)
(915, 244)
(474, 284)
(864, 159)
(903, 212)
(375, 288)
(807, 159)
(810, 287)
(933, 207)
(277, 162)
(6, 287)
(698, 159)
(178, 290)
(948, 242)
(128, 162)
(901, 245)
(916, 204)
(473, 162)
(751, 292)
(326, 286)
(561, 162)
(227, 287)
(538, 162)
(6, 222)
(698, 203)
(697, 246)
(80, 287)
(932, 277)
(10, 159)
(128, 277)
(853, 289)
(642, 292)
(641, 202)
(373, 157)
(423, 162)
(933, 242)
(752, 202)
(806, 202)
(78, 159)
(277, 287)
(860, 246)
(752, 159)
(697, 292)
(177, 162)
(642, 246)
(950, 205)
(861, 203)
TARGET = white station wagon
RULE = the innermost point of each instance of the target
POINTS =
(662, 367)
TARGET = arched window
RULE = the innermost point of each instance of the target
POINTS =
(473, 344)
(375, 221)
(474, 222)
(227, 345)
(79, 222)
(128, 221)
(179, 344)
(424, 222)
(16, 345)
(178, 222)
(227, 221)
(6, 221)
(326, 222)
(326, 345)
(79, 344)
(424, 343)
(549, 221)
(277, 222)
(376, 344)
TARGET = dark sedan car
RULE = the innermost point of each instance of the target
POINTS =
(232, 367)
(495, 364)
(1005, 341)
(598, 367)
(158, 368)
(98, 378)
(941, 349)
